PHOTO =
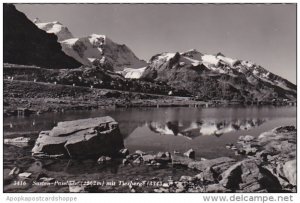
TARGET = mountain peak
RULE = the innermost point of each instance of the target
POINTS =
(164, 56)
(191, 51)
(97, 40)
(97, 36)
(36, 20)
(92, 49)
(220, 54)
(56, 22)
(193, 54)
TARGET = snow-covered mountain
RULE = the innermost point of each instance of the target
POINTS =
(98, 49)
(216, 76)
(56, 28)
(94, 49)
(208, 76)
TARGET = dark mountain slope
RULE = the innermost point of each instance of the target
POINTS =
(24, 43)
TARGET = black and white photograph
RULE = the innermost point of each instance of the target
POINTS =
(149, 98)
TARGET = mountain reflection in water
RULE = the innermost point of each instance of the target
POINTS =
(204, 127)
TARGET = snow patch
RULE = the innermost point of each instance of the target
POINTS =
(166, 56)
(210, 59)
(56, 28)
(133, 73)
(91, 59)
(227, 60)
(71, 41)
(193, 61)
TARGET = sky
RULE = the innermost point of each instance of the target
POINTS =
(261, 33)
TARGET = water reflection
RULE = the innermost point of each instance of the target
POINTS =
(147, 130)
(194, 129)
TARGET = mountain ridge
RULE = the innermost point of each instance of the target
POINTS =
(205, 76)
(94, 49)
(221, 76)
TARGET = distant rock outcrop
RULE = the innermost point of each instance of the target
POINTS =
(24, 43)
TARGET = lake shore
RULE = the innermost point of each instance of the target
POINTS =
(24, 97)
(140, 171)
(43, 97)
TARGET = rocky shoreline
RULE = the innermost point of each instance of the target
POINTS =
(268, 163)
(37, 98)
(25, 98)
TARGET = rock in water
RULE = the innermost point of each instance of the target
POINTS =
(14, 171)
(80, 138)
(123, 152)
(190, 154)
(24, 175)
(104, 160)
(18, 141)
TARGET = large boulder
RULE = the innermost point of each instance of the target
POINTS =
(280, 142)
(249, 176)
(190, 154)
(80, 138)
